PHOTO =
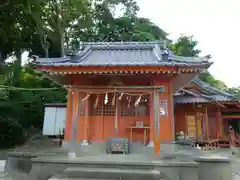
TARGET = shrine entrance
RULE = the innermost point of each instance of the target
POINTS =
(112, 114)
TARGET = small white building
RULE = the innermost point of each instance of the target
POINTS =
(54, 119)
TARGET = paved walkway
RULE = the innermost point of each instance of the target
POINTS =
(2, 165)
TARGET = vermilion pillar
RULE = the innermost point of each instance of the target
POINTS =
(86, 122)
(151, 119)
(68, 121)
(75, 115)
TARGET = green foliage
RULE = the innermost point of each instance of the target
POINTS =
(21, 109)
(187, 46)
(51, 29)
(235, 91)
(11, 133)
(207, 77)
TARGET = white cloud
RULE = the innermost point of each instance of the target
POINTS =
(213, 23)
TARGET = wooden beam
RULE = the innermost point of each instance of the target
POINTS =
(189, 92)
(231, 110)
(85, 104)
(68, 122)
(74, 128)
(219, 120)
(237, 105)
(219, 104)
(116, 116)
(129, 91)
(231, 117)
(206, 124)
(156, 123)
(116, 87)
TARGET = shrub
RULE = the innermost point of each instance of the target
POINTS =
(11, 133)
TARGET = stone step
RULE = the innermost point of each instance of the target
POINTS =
(108, 173)
(58, 178)
(3, 176)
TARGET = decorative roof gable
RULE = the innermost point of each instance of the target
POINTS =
(190, 96)
(210, 88)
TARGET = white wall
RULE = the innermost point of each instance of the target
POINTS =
(54, 120)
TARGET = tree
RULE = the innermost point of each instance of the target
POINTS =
(54, 19)
(53, 28)
(187, 46)
(235, 91)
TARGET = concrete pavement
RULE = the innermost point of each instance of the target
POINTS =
(2, 165)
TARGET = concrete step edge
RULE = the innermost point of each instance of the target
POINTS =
(111, 170)
(3, 175)
(64, 178)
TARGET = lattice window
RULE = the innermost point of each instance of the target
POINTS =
(102, 109)
(109, 110)
(128, 109)
(96, 111)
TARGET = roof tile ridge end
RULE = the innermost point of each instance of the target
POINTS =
(189, 59)
(157, 52)
(84, 53)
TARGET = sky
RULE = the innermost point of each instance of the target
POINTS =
(214, 23)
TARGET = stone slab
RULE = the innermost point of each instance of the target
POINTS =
(111, 173)
(128, 160)
(46, 167)
(213, 158)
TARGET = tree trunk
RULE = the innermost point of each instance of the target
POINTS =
(62, 42)
(46, 52)
(17, 68)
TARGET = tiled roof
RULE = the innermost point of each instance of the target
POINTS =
(210, 88)
(189, 99)
(187, 96)
(221, 98)
(124, 54)
(183, 99)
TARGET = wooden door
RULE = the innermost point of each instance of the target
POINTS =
(199, 119)
(109, 122)
(191, 125)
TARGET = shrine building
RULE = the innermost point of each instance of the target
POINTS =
(123, 89)
(205, 113)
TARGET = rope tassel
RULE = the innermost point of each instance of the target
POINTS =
(138, 101)
(120, 97)
(129, 102)
(85, 98)
(96, 102)
(106, 98)
(113, 99)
